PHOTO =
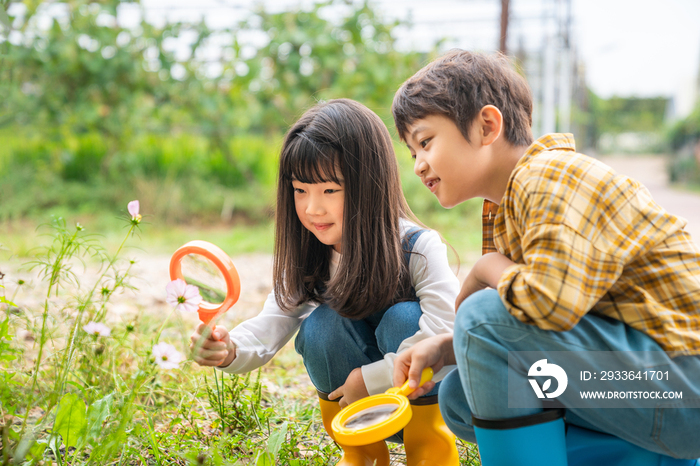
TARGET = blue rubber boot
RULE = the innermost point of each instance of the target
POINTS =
(586, 447)
(534, 440)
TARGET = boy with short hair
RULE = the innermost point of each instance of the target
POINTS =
(579, 259)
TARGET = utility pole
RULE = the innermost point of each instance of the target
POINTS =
(549, 58)
(564, 18)
(503, 44)
(697, 88)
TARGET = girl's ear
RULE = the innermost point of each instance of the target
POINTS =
(491, 124)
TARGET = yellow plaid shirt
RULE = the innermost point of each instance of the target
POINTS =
(586, 239)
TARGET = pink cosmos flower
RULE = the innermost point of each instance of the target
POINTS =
(167, 357)
(182, 296)
(133, 207)
(97, 329)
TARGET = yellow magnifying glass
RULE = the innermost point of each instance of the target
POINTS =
(209, 268)
(376, 417)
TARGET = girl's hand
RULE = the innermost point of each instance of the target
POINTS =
(435, 352)
(212, 347)
(352, 390)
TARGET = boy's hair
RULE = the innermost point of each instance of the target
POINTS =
(458, 85)
(342, 139)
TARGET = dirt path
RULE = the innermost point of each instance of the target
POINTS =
(651, 171)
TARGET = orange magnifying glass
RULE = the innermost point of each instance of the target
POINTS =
(376, 417)
(209, 268)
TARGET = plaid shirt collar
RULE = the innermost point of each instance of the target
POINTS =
(555, 141)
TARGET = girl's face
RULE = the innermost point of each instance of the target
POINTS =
(320, 209)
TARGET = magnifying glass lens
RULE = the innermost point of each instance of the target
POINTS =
(371, 416)
(199, 271)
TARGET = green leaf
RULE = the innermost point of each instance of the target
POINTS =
(274, 443)
(5, 20)
(6, 352)
(96, 415)
(153, 440)
(37, 450)
(2, 298)
(265, 459)
(71, 422)
(29, 446)
(5, 330)
(55, 446)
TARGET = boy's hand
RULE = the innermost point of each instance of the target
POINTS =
(212, 347)
(470, 285)
(487, 271)
(352, 390)
(435, 352)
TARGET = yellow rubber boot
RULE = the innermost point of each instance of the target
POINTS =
(365, 455)
(427, 440)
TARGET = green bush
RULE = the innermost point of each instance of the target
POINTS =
(83, 157)
(684, 139)
(179, 177)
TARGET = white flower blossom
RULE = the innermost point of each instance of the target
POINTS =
(97, 329)
(182, 296)
(167, 357)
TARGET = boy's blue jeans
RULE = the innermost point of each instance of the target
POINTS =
(484, 334)
(332, 346)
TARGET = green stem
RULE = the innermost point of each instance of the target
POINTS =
(68, 355)
(102, 311)
(220, 397)
(14, 295)
(160, 330)
(67, 249)
(42, 342)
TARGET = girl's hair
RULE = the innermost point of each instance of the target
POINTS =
(342, 139)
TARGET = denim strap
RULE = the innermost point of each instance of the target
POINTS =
(409, 241)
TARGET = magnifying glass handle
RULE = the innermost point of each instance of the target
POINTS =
(212, 327)
(405, 390)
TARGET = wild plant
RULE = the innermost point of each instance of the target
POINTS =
(79, 389)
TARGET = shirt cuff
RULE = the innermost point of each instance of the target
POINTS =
(505, 285)
(378, 377)
(242, 361)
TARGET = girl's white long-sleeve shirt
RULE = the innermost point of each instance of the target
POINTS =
(258, 339)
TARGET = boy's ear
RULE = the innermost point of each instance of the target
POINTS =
(491, 124)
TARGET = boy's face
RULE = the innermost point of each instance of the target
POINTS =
(448, 165)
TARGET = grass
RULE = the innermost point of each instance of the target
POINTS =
(20, 238)
(459, 227)
(72, 398)
(185, 189)
(90, 399)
